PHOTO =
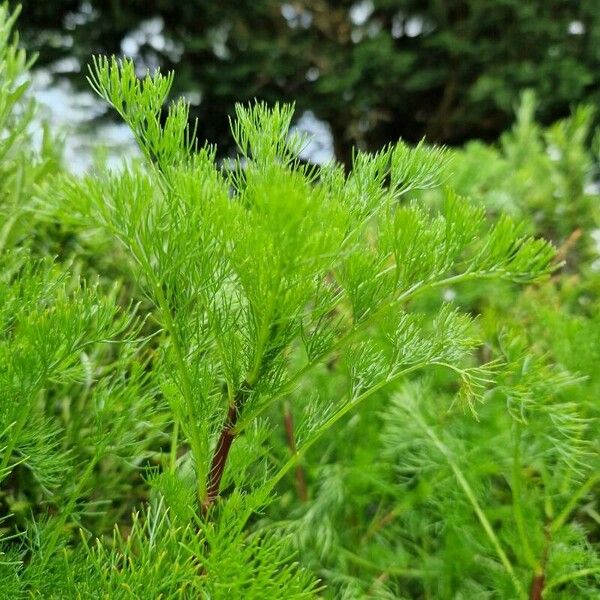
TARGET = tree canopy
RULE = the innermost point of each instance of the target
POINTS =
(374, 70)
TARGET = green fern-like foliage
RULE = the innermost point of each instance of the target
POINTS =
(245, 264)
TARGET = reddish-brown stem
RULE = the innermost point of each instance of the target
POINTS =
(538, 581)
(288, 421)
(223, 447)
(537, 586)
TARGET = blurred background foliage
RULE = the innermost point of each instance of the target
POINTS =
(372, 70)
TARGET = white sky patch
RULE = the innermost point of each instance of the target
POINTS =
(69, 64)
(361, 11)
(296, 17)
(576, 28)
(413, 27)
(71, 115)
(150, 33)
(319, 149)
(84, 15)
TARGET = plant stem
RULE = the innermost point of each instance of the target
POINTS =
(468, 491)
(571, 576)
(517, 500)
(330, 422)
(228, 430)
(390, 569)
(288, 420)
(538, 582)
(196, 443)
(174, 443)
(574, 500)
(223, 447)
(537, 586)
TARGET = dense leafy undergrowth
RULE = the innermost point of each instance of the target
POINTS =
(265, 379)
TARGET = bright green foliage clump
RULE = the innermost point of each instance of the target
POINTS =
(275, 317)
(247, 265)
(20, 172)
(545, 176)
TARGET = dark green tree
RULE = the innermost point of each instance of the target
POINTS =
(374, 70)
